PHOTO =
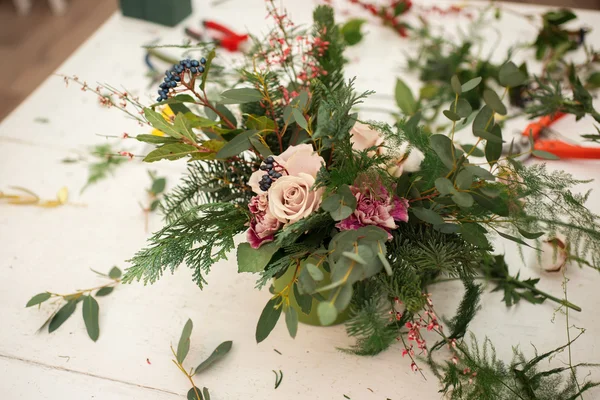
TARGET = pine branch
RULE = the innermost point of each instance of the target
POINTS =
(200, 237)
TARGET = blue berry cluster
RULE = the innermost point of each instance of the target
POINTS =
(271, 175)
(174, 75)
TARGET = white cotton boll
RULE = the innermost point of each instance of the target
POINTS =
(554, 253)
(410, 162)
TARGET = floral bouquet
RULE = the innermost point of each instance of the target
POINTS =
(352, 221)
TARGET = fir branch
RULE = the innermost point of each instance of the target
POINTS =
(370, 325)
(332, 60)
(200, 237)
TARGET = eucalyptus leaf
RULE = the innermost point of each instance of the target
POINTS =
(480, 172)
(303, 300)
(514, 239)
(38, 299)
(472, 84)
(268, 319)
(444, 186)
(341, 213)
(487, 136)
(484, 121)
(315, 272)
(443, 147)
(474, 234)
(462, 108)
(215, 356)
(255, 260)
(493, 149)
(462, 199)
(354, 257)
(530, 235)
(475, 151)
(194, 394)
(331, 203)
(291, 321)
(456, 86)
(545, 155)
(510, 75)
(491, 99)
(105, 291)
(62, 315)
(452, 116)
(405, 98)
(241, 95)
(205, 393)
(427, 215)
(464, 179)
(327, 313)
(183, 347)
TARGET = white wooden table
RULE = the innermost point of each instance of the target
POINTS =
(53, 249)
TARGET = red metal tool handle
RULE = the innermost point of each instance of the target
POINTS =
(565, 150)
(219, 28)
(537, 127)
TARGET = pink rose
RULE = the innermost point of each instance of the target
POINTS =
(375, 207)
(291, 198)
(293, 161)
(263, 225)
(363, 137)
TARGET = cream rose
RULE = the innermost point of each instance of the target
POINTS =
(291, 198)
(295, 160)
(363, 137)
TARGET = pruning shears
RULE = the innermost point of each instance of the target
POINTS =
(226, 38)
(538, 136)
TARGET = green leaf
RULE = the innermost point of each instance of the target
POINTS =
(386, 264)
(180, 98)
(487, 136)
(510, 75)
(182, 125)
(463, 108)
(205, 394)
(472, 84)
(62, 315)
(341, 213)
(241, 95)
(170, 152)
(254, 260)
(427, 215)
(38, 299)
(157, 121)
(331, 203)
(456, 86)
(491, 99)
(191, 394)
(114, 273)
(209, 59)
(444, 186)
(443, 147)
(354, 257)
(545, 155)
(301, 101)
(156, 139)
(484, 121)
(514, 239)
(495, 205)
(158, 185)
(90, 317)
(183, 347)
(474, 234)
(226, 113)
(530, 235)
(480, 172)
(260, 123)
(315, 272)
(476, 152)
(351, 31)
(452, 116)
(405, 98)
(593, 81)
(105, 291)
(493, 148)
(462, 199)
(327, 313)
(348, 197)
(216, 355)
(291, 321)
(236, 145)
(303, 300)
(447, 228)
(299, 118)
(268, 319)
(464, 179)
(259, 146)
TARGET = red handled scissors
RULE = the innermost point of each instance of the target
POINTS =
(542, 140)
(227, 38)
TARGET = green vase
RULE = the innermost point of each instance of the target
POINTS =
(312, 318)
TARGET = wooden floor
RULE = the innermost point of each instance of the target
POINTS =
(33, 46)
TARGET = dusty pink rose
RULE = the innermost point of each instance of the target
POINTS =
(263, 225)
(363, 137)
(291, 198)
(295, 160)
(375, 207)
